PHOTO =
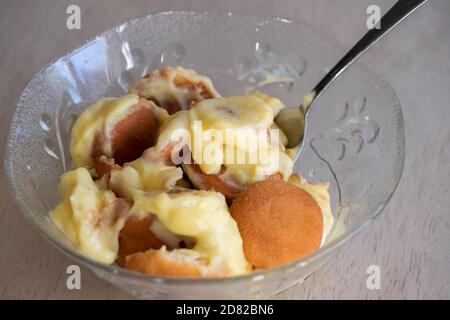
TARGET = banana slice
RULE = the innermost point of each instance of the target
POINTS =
(90, 217)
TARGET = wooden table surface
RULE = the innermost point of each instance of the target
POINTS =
(410, 241)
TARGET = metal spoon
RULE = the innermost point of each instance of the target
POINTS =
(292, 121)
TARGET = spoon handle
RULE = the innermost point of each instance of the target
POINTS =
(399, 11)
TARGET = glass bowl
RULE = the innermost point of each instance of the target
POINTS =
(355, 139)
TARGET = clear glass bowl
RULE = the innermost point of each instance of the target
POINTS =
(355, 139)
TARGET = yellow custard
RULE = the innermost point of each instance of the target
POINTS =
(89, 216)
(148, 173)
(202, 215)
(307, 100)
(235, 137)
(233, 132)
(162, 86)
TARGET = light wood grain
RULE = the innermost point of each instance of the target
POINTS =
(410, 241)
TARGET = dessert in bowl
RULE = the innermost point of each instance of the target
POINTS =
(206, 176)
(355, 145)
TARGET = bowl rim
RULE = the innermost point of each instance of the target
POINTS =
(256, 275)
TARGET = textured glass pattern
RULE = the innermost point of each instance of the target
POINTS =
(355, 137)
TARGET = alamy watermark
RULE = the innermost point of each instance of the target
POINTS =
(73, 21)
(373, 20)
(373, 281)
(73, 281)
(227, 146)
